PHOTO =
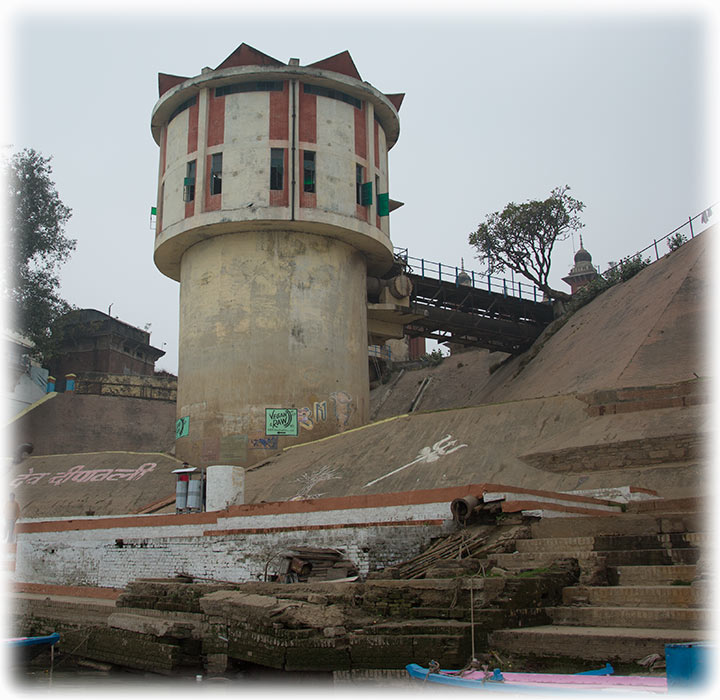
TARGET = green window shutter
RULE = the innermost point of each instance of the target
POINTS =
(366, 194)
(153, 211)
(383, 204)
(189, 181)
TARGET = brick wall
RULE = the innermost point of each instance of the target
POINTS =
(110, 552)
(137, 386)
(677, 395)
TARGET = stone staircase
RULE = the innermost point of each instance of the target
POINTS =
(640, 586)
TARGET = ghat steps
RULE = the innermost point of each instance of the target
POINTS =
(655, 594)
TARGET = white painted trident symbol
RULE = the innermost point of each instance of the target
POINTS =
(427, 454)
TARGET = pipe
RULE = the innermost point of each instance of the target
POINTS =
(293, 145)
(462, 507)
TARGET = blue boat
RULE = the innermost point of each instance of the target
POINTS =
(502, 681)
(28, 648)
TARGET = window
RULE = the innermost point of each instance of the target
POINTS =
(253, 86)
(332, 94)
(189, 183)
(359, 177)
(277, 168)
(309, 171)
(216, 174)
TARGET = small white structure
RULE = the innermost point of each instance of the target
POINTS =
(225, 486)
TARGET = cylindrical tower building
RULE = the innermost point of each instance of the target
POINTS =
(272, 209)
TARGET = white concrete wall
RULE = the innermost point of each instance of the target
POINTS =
(246, 151)
(94, 557)
(176, 159)
(335, 157)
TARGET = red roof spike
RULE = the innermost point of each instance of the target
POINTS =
(245, 55)
(339, 63)
(166, 82)
(396, 99)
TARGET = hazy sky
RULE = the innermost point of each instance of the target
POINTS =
(498, 108)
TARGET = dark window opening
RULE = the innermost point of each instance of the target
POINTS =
(277, 168)
(332, 94)
(359, 177)
(309, 171)
(189, 182)
(216, 174)
(253, 86)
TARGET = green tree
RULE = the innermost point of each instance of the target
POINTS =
(36, 246)
(521, 237)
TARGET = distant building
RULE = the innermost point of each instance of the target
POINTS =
(91, 341)
(582, 271)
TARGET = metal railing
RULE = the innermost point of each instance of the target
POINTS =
(704, 217)
(477, 280)
(523, 290)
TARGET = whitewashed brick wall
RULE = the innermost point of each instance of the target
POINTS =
(94, 557)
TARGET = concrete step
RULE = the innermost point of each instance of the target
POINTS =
(655, 575)
(643, 557)
(633, 596)
(611, 542)
(624, 524)
(602, 644)
(640, 617)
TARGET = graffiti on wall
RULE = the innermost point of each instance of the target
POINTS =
(342, 405)
(309, 480)
(182, 427)
(442, 447)
(264, 443)
(81, 474)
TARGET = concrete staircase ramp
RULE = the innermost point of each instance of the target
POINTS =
(654, 593)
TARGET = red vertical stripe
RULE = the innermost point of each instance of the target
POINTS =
(193, 112)
(377, 147)
(360, 132)
(158, 218)
(279, 103)
(163, 151)
(216, 119)
(308, 117)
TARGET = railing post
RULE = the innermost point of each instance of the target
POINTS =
(504, 286)
(657, 257)
(489, 288)
(692, 235)
(440, 272)
(422, 267)
(472, 277)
